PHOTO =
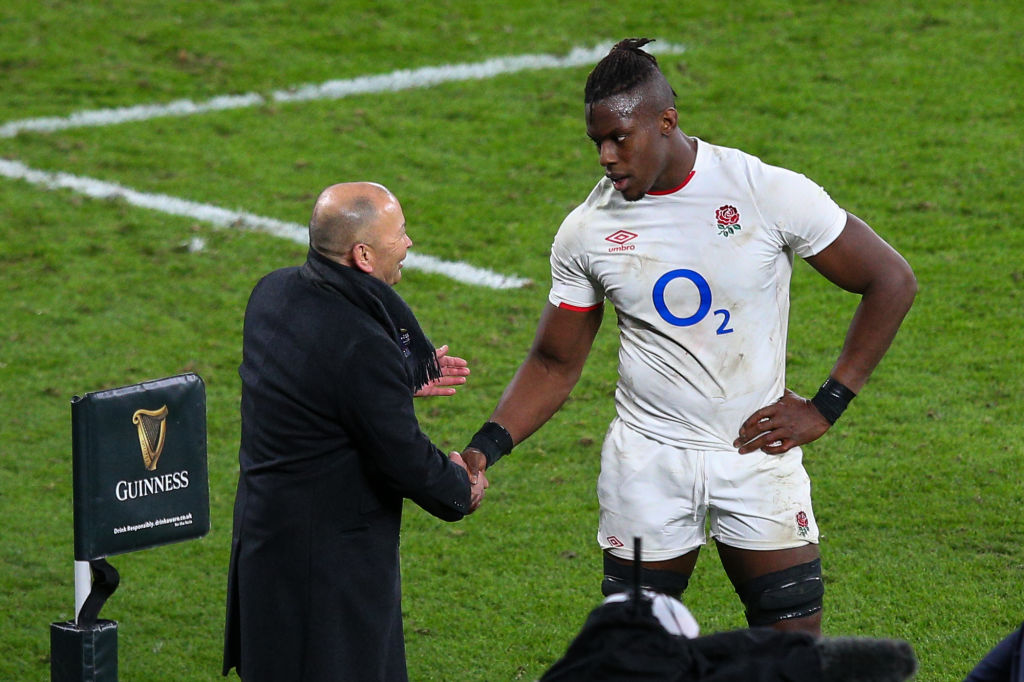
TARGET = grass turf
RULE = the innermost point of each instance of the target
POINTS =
(905, 113)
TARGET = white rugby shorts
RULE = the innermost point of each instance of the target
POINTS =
(666, 495)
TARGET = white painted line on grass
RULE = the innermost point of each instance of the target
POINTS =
(404, 79)
(221, 217)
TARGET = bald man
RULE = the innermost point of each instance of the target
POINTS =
(330, 446)
(361, 225)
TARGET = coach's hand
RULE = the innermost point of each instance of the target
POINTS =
(788, 422)
(453, 373)
(478, 483)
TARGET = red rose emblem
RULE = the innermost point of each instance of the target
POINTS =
(727, 215)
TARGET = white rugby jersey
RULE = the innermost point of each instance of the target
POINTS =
(699, 278)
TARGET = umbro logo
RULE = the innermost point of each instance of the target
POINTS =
(621, 237)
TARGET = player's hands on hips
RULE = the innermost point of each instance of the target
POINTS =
(478, 482)
(788, 422)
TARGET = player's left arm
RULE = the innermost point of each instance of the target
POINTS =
(860, 262)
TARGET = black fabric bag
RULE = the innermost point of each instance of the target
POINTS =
(624, 641)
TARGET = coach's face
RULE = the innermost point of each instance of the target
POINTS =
(632, 143)
(389, 242)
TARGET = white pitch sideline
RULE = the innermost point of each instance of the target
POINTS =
(222, 217)
(403, 79)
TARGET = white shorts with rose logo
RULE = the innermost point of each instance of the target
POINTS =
(667, 496)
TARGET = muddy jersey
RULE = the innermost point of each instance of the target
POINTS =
(699, 278)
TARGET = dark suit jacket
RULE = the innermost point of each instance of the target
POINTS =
(1003, 663)
(330, 446)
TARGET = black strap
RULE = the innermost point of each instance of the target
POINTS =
(105, 580)
(493, 440)
(832, 399)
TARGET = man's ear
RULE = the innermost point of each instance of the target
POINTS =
(669, 120)
(362, 258)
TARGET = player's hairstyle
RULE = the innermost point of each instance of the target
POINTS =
(624, 68)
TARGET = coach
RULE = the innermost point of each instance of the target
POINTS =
(330, 445)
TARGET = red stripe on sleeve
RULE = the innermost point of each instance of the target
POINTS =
(579, 309)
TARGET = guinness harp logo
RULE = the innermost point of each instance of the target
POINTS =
(152, 426)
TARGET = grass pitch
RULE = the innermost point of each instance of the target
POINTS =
(905, 112)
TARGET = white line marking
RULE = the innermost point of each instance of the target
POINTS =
(334, 89)
(221, 217)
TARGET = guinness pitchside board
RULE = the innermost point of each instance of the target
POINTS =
(139, 466)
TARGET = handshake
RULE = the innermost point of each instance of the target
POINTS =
(454, 371)
(477, 478)
(487, 445)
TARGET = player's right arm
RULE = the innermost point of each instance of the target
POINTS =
(548, 374)
(550, 371)
(565, 334)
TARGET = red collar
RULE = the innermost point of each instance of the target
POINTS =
(674, 189)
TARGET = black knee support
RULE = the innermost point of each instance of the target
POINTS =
(619, 578)
(794, 592)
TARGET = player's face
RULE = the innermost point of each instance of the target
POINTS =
(390, 244)
(630, 144)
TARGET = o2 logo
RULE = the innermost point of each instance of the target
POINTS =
(703, 307)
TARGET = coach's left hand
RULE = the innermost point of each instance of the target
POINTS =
(453, 373)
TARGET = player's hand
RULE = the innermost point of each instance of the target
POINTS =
(476, 462)
(788, 422)
(477, 488)
(453, 373)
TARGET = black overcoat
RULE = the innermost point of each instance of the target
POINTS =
(330, 446)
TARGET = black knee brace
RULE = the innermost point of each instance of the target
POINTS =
(619, 578)
(794, 592)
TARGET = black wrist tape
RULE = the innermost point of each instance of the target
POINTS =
(493, 440)
(832, 399)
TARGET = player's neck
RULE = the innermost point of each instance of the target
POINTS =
(682, 158)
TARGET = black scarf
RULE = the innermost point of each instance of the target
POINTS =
(381, 302)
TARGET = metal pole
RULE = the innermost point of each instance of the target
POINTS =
(83, 585)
